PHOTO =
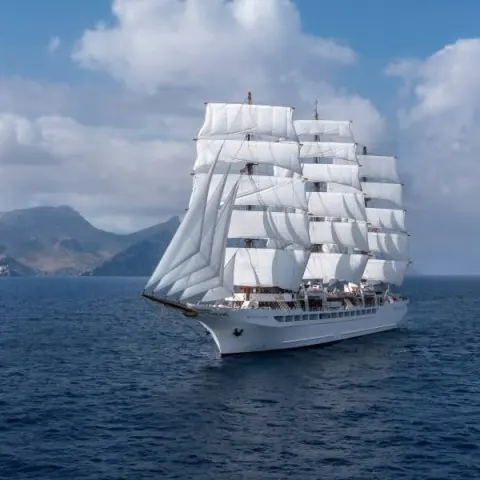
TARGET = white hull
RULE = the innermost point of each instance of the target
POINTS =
(237, 330)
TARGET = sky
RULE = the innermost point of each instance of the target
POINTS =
(100, 100)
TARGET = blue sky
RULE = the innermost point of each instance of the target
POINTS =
(379, 30)
(106, 112)
(26, 27)
(384, 30)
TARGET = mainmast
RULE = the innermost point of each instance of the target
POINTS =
(316, 247)
(316, 138)
(249, 170)
(337, 212)
(248, 242)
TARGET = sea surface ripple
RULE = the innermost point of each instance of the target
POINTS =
(97, 384)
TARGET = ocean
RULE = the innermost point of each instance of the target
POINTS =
(96, 383)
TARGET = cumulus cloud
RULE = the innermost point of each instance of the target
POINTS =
(441, 137)
(213, 44)
(442, 122)
(120, 151)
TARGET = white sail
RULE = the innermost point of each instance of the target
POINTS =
(343, 234)
(335, 150)
(335, 266)
(337, 205)
(387, 271)
(268, 267)
(261, 190)
(393, 246)
(211, 274)
(383, 195)
(333, 187)
(201, 257)
(281, 154)
(188, 237)
(340, 128)
(238, 119)
(326, 172)
(226, 288)
(285, 227)
(282, 172)
(386, 218)
(376, 168)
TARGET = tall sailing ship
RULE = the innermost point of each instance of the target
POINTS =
(294, 235)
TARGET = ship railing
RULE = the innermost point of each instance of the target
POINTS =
(284, 306)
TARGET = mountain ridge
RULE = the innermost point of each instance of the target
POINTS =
(60, 241)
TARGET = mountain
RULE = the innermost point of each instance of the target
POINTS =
(58, 240)
(9, 267)
(140, 258)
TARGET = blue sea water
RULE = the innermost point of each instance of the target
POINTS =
(95, 383)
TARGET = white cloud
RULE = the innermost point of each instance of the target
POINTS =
(441, 138)
(233, 46)
(121, 156)
(53, 44)
(442, 123)
(105, 173)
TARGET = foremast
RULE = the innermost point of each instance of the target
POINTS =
(231, 202)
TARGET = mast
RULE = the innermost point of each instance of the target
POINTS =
(249, 170)
(248, 242)
(316, 247)
(387, 236)
(267, 206)
(342, 230)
